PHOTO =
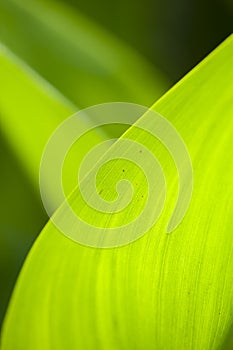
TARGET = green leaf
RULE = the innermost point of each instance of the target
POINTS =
(84, 62)
(22, 218)
(162, 291)
(30, 110)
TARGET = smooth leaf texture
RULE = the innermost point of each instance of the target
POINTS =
(163, 291)
(85, 63)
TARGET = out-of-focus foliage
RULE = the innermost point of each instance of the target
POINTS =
(21, 219)
(79, 58)
(27, 105)
(174, 34)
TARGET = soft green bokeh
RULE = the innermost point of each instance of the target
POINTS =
(84, 62)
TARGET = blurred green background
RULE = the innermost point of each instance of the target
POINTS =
(172, 36)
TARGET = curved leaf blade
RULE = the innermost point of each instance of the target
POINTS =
(163, 291)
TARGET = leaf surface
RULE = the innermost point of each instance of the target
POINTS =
(164, 291)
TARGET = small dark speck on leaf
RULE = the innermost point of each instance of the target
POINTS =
(123, 170)
(100, 191)
(140, 151)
